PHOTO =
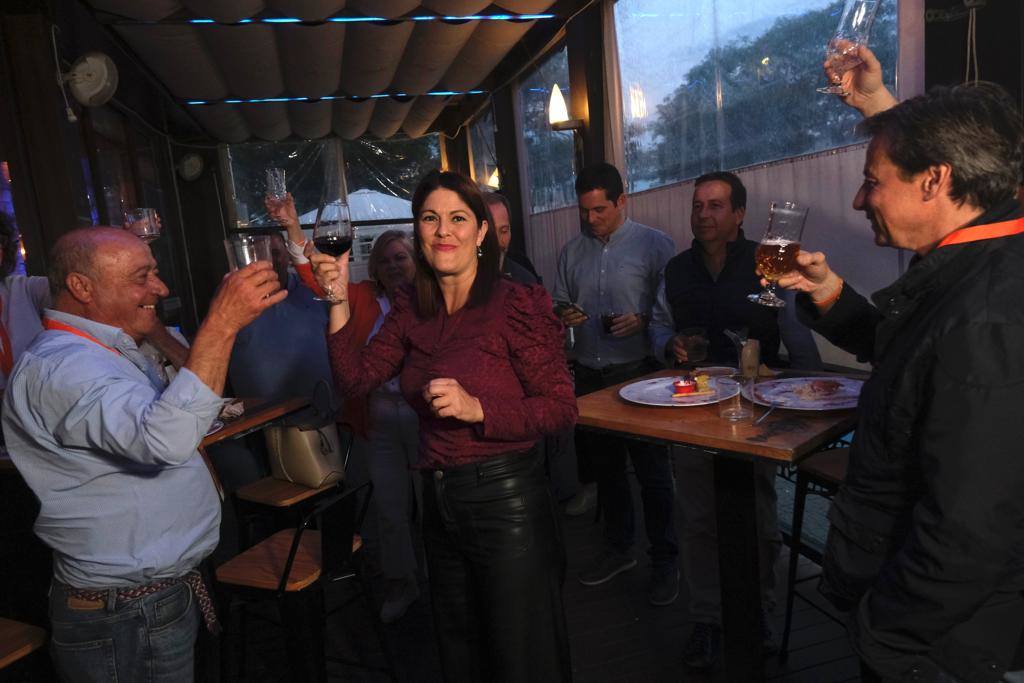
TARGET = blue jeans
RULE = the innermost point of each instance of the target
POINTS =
(148, 639)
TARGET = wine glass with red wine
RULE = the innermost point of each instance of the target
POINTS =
(333, 235)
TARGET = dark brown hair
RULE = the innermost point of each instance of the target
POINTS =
(428, 291)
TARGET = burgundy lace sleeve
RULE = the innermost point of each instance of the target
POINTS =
(358, 369)
(535, 341)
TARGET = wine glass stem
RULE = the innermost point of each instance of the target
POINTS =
(770, 289)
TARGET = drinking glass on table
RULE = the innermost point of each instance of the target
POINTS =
(842, 53)
(695, 343)
(143, 223)
(776, 254)
(245, 249)
(276, 188)
(333, 235)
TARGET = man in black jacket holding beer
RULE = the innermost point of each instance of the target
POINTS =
(927, 541)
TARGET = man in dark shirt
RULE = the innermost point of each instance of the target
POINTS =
(517, 267)
(707, 286)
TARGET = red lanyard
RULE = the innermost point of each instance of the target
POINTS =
(6, 353)
(977, 233)
(51, 324)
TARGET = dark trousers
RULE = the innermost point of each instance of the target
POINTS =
(606, 458)
(497, 564)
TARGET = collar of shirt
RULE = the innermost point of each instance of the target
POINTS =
(111, 336)
(621, 233)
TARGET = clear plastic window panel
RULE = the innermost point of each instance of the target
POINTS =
(723, 84)
(307, 166)
(481, 147)
(549, 153)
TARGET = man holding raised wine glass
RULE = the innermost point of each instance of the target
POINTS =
(926, 547)
(708, 286)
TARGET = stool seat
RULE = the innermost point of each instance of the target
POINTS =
(17, 640)
(262, 565)
(278, 493)
(828, 466)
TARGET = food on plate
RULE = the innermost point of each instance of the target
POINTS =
(692, 386)
(684, 385)
(817, 389)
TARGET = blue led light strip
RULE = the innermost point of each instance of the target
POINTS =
(265, 100)
(352, 19)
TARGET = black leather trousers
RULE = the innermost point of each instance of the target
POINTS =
(497, 565)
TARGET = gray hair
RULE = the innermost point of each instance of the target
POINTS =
(977, 130)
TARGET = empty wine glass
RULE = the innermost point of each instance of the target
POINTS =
(276, 188)
(842, 53)
(333, 235)
(143, 223)
(776, 254)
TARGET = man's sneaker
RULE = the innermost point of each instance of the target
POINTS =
(664, 587)
(607, 567)
(701, 650)
(583, 502)
(768, 645)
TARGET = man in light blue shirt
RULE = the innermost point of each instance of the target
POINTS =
(610, 271)
(127, 504)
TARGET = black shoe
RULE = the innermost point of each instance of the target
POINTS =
(664, 587)
(702, 649)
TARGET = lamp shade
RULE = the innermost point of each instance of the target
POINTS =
(557, 111)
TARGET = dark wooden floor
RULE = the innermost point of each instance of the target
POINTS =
(616, 635)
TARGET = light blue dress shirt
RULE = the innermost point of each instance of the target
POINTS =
(620, 276)
(111, 454)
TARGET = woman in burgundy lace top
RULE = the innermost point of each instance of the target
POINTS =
(481, 362)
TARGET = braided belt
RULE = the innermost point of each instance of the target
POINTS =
(194, 580)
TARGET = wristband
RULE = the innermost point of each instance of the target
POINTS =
(832, 297)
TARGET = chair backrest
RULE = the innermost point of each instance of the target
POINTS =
(338, 519)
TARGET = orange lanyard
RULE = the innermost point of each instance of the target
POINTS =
(6, 353)
(50, 324)
(977, 233)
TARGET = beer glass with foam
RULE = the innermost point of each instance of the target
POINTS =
(776, 254)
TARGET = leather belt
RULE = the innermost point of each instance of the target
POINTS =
(96, 598)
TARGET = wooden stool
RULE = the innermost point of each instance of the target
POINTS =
(826, 471)
(281, 496)
(277, 493)
(18, 640)
(292, 566)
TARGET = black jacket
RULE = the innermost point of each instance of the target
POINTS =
(927, 537)
(698, 300)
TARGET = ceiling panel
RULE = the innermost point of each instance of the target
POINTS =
(256, 60)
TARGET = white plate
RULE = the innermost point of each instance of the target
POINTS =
(658, 392)
(796, 393)
(215, 427)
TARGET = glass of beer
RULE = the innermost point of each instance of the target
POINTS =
(776, 254)
(841, 54)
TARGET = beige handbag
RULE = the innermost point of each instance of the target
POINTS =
(311, 457)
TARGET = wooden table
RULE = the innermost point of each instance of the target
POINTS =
(785, 437)
(259, 414)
